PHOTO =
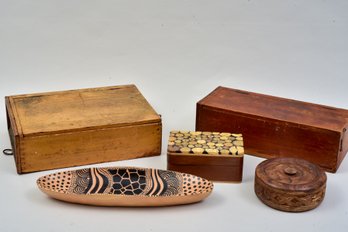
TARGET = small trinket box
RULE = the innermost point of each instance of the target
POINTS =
(213, 155)
(289, 184)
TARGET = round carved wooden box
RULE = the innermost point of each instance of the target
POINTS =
(289, 184)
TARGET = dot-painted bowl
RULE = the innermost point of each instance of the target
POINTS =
(125, 186)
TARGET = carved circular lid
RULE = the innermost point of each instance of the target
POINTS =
(290, 174)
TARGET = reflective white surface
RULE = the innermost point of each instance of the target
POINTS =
(176, 52)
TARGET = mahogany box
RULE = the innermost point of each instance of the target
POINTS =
(277, 127)
(78, 127)
(211, 155)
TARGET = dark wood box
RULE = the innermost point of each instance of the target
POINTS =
(77, 127)
(211, 155)
(277, 127)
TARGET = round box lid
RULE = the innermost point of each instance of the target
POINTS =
(290, 184)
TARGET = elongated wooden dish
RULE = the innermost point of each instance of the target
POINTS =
(125, 186)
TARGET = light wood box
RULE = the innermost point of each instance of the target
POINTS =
(78, 127)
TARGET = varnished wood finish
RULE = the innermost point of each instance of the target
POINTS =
(125, 186)
(70, 128)
(277, 127)
(212, 155)
(289, 184)
(226, 169)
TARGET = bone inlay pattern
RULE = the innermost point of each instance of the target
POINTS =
(206, 143)
(125, 181)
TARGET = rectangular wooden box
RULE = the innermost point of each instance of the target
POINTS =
(277, 127)
(78, 127)
(211, 155)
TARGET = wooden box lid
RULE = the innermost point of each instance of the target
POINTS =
(75, 109)
(276, 108)
(205, 144)
(277, 127)
(290, 184)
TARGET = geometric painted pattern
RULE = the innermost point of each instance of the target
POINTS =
(125, 181)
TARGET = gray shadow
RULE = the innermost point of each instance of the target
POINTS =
(35, 195)
(248, 179)
(343, 168)
(333, 197)
(248, 194)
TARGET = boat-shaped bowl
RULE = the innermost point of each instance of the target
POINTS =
(125, 186)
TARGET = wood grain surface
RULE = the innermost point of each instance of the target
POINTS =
(277, 127)
(289, 184)
(77, 127)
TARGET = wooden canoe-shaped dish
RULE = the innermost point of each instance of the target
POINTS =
(125, 186)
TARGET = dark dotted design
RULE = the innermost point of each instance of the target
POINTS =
(57, 182)
(195, 185)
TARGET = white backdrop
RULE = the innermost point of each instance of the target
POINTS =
(176, 52)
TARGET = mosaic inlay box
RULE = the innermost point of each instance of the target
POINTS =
(77, 127)
(213, 155)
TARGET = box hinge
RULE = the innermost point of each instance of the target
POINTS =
(7, 151)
